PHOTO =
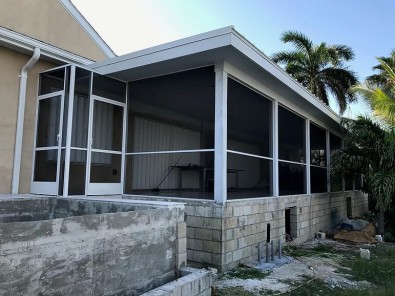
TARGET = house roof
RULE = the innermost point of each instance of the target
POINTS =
(224, 44)
(86, 26)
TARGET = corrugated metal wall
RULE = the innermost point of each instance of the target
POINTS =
(149, 170)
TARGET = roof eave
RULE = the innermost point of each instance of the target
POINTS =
(26, 44)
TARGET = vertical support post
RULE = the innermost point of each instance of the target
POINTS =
(280, 251)
(275, 180)
(260, 253)
(267, 252)
(221, 130)
(69, 127)
(328, 161)
(124, 137)
(308, 179)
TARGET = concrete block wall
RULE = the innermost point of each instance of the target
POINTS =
(129, 250)
(224, 236)
(193, 282)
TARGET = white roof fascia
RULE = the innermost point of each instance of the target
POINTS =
(23, 43)
(86, 26)
(252, 52)
(174, 46)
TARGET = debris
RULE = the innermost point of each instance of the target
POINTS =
(364, 253)
(320, 235)
(379, 238)
(365, 236)
(353, 225)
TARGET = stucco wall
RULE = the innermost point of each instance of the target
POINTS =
(11, 64)
(50, 22)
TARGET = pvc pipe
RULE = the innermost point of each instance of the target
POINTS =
(272, 250)
(280, 251)
(20, 120)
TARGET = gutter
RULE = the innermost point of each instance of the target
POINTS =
(20, 119)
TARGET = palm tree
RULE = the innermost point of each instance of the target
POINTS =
(320, 68)
(369, 150)
(381, 79)
(379, 92)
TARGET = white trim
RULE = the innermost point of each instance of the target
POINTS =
(170, 151)
(159, 50)
(249, 154)
(275, 174)
(108, 101)
(307, 151)
(50, 95)
(106, 151)
(47, 188)
(290, 161)
(124, 136)
(104, 188)
(328, 160)
(89, 142)
(86, 26)
(69, 128)
(221, 135)
(26, 44)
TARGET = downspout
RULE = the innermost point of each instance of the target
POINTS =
(20, 119)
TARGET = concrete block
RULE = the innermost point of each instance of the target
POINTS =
(217, 235)
(212, 247)
(182, 245)
(186, 290)
(230, 222)
(190, 232)
(228, 234)
(320, 235)
(364, 253)
(205, 234)
(230, 245)
(237, 255)
(182, 260)
(182, 229)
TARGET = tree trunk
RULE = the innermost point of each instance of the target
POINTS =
(381, 221)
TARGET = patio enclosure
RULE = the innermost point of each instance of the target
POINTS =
(192, 134)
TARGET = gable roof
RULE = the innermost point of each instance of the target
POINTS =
(86, 26)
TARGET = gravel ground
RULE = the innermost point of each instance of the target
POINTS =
(285, 277)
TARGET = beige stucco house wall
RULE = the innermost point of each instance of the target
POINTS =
(47, 22)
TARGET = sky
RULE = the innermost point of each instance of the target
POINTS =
(367, 26)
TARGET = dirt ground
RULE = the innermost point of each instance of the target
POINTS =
(316, 259)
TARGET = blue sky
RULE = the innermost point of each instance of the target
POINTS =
(367, 26)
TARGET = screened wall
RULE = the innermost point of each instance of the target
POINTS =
(97, 135)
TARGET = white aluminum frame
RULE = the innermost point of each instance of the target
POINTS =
(40, 187)
(104, 188)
